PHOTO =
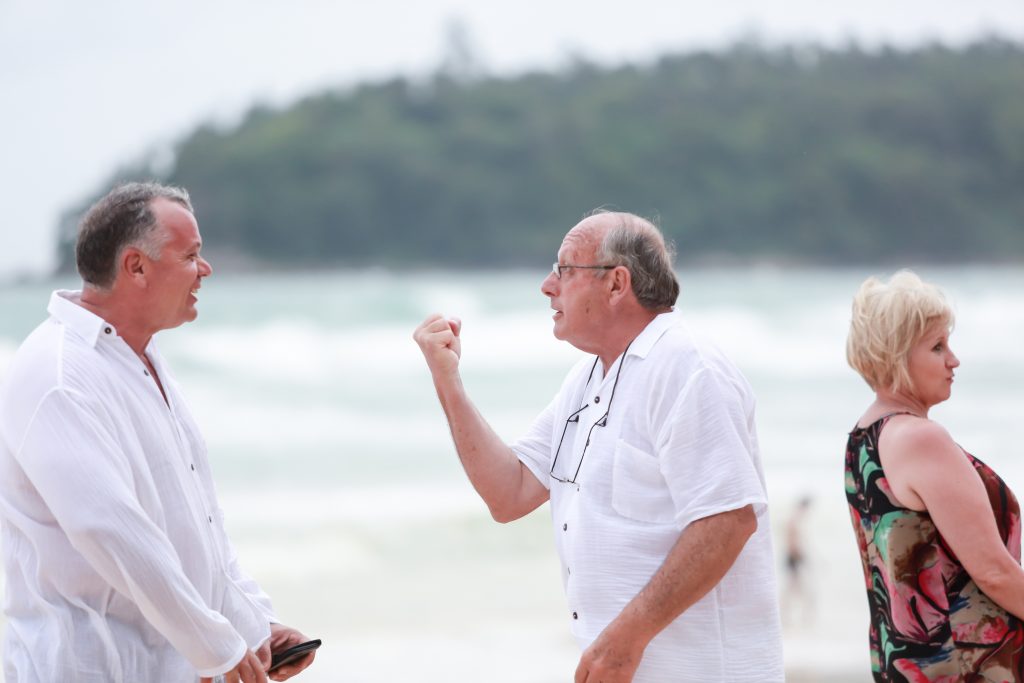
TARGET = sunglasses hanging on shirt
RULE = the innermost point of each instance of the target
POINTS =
(574, 418)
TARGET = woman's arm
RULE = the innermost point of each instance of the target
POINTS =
(926, 470)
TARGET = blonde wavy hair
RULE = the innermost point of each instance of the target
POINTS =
(888, 319)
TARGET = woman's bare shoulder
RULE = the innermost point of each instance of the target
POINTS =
(920, 446)
(910, 433)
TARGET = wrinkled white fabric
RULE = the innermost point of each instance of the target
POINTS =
(680, 444)
(117, 565)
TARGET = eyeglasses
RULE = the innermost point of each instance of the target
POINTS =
(557, 269)
(574, 418)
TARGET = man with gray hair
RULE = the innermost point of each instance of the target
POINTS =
(117, 563)
(648, 455)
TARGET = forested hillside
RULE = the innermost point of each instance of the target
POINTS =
(798, 155)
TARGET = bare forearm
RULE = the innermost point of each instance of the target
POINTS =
(509, 490)
(697, 562)
(1003, 585)
(492, 467)
(700, 558)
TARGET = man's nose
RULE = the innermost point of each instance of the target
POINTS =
(205, 269)
(550, 285)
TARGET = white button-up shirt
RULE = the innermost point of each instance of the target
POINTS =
(679, 444)
(117, 564)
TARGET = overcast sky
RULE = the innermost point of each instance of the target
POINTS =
(88, 86)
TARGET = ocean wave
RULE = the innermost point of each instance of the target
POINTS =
(300, 351)
(794, 341)
(806, 342)
(235, 417)
(989, 328)
(268, 508)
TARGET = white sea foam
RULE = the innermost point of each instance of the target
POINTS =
(296, 350)
(266, 425)
(447, 299)
(373, 557)
(989, 329)
(299, 351)
(385, 504)
(807, 343)
(241, 419)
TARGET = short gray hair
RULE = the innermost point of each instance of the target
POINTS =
(123, 218)
(638, 244)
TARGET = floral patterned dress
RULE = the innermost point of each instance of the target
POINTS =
(929, 620)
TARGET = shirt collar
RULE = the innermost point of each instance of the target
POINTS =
(646, 340)
(78, 319)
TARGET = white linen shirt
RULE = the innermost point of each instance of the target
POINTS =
(679, 445)
(118, 568)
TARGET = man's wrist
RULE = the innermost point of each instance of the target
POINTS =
(448, 385)
(632, 630)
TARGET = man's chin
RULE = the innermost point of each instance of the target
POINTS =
(187, 316)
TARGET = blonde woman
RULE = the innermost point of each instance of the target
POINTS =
(938, 530)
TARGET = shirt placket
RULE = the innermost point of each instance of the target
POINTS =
(197, 501)
(571, 509)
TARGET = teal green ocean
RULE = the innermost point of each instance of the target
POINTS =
(346, 500)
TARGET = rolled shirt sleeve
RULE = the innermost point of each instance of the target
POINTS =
(676, 443)
(534, 448)
(705, 450)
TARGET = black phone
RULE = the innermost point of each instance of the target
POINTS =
(294, 652)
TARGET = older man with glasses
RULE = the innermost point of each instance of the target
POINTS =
(649, 457)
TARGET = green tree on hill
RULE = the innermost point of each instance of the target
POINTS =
(797, 154)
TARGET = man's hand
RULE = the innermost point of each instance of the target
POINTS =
(263, 654)
(697, 562)
(249, 670)
(439, 341)
(282, 638)
(610, 659)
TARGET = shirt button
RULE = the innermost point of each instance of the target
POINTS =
(210, 518)
(597, 399)
(565, 527)
(146, 373)
(575, 616)
(193, 468)
(107, 330)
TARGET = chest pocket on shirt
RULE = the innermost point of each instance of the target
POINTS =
(639, 490)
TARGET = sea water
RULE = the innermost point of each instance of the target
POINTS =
(346, 501)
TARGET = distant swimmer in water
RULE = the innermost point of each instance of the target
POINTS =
(798, 599)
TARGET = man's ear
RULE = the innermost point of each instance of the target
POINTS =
(134, 265)
(620, 284)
